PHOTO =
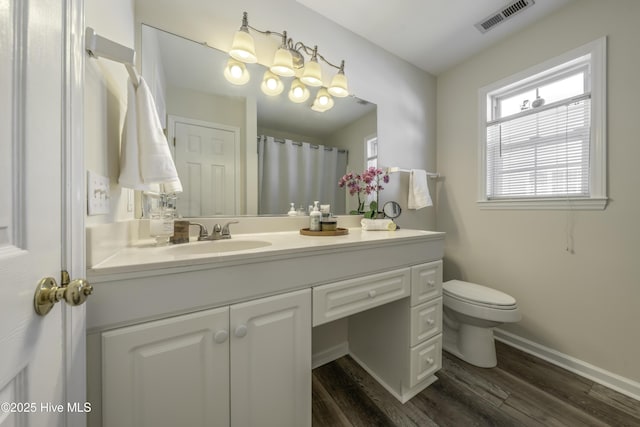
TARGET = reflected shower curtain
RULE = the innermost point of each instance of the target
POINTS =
(300, 173)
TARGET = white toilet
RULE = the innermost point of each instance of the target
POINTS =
(471, 312)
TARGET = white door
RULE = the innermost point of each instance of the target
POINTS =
(207, 158)
(33, 356)
(271, 361)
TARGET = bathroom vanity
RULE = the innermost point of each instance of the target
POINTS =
(221, 335)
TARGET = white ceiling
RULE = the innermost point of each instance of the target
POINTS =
(431, 34)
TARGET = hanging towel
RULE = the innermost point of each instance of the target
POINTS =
(129, 154)
(156, 163)
(419, 196)
(145, 160)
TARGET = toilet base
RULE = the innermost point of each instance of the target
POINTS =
(473, 344)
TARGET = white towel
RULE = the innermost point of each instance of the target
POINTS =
(145, 160)
(378, 224)
(156, 163)
(129, 154)
(419, 196)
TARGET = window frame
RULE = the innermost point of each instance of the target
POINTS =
(597, 198)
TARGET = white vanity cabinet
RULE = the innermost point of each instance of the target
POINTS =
(226, 339)
(240, 365)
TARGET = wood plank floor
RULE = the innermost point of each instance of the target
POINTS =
(521, 391)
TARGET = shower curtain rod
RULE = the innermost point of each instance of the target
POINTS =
(101, 47)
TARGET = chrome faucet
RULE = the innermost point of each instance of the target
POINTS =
(203, 234)
(222, 232)
(218, 233)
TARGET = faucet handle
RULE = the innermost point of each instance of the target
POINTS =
(203, 233)
(226, 233)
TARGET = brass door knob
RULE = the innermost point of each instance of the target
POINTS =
(48, 293)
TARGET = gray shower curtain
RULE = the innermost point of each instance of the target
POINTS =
(298, 172)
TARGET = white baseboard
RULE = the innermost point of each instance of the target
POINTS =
(329, 355)
(615, 382)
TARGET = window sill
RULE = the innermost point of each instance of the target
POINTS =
(545, 204)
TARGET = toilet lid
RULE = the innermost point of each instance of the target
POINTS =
(478, 294)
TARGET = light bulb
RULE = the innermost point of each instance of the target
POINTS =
(236, 71)
(271, 84)
(298, 92)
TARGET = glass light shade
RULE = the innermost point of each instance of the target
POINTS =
(323, 101)
(339, 86)
(271, 84)
(312, 74)
(236, 72)
(298, 92)
(243, 49)
(283, 63)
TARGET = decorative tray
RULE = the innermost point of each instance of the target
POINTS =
(337, 232)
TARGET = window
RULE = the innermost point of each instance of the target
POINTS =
(371, 160)
(542, 140)
(371, 151)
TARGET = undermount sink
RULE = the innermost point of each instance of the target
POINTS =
(215, 246)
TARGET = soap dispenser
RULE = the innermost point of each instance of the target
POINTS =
(292, 210)
(314, 218)
(161, 221)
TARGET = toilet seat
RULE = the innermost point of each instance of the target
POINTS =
(472, 293)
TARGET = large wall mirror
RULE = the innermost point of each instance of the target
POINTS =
(241, 152)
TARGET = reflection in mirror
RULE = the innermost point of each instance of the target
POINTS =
(239, 151)
(392, 210)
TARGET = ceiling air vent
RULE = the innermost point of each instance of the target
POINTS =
(503, 14)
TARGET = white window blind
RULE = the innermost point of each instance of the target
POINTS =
(541, 152)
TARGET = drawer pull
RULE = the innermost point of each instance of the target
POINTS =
(241, 331)
(430, 360)
(372, 294)
(431, 283)
(430, 321)
(221, 336)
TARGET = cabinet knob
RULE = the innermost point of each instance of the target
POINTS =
(430, 360)
(431, 283)
(372, 294)
(241, 331)
(430, 321)
(221, 336)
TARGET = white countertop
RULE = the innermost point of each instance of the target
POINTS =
(146, 256)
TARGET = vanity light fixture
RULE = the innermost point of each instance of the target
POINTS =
(298, 92)
(312, 74)
(271, 84)
(323, 101)
(288, 61)
(236, 72)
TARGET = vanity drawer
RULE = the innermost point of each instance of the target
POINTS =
(426, 320)
(426, 282)
(425, 360)
(341, 299)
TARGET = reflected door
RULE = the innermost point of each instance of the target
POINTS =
(207, 158)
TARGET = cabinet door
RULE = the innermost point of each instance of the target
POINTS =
(271, 361)
(171, 372)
